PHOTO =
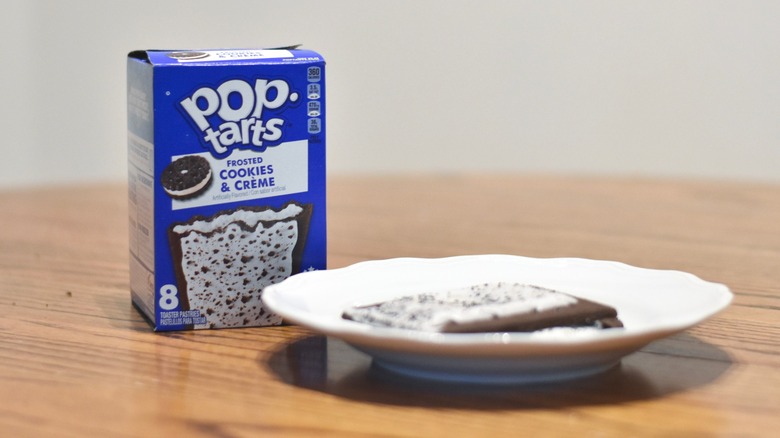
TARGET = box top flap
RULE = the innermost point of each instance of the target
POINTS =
(285, 55)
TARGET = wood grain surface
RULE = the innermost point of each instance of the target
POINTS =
(76, 359)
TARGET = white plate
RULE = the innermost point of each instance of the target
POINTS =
(651, 303)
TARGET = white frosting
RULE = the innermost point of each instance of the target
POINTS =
(249, 217)
(530, 300)
(429, 312)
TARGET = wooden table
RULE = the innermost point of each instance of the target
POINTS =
(76, 359)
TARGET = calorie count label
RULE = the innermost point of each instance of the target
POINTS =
(314, 125)
(314, 74)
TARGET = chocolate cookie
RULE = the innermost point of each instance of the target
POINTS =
(188, 55)
(487, 307)
(186, 177)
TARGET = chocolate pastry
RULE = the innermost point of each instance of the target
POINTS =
(223, 262)
(489, 307)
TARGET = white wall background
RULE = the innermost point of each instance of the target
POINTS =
(651, 88)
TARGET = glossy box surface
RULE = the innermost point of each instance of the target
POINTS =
(226, 178)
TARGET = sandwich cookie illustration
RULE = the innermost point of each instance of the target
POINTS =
(186, 177)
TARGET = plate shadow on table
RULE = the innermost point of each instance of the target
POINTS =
(676, 364)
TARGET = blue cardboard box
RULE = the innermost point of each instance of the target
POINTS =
(226, 181)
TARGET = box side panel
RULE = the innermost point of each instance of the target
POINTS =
(140, 152)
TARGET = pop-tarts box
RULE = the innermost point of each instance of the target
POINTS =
(226, 179)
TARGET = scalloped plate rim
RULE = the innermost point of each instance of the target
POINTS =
(290, 298)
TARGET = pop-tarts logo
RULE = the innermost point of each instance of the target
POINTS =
(231, 115)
